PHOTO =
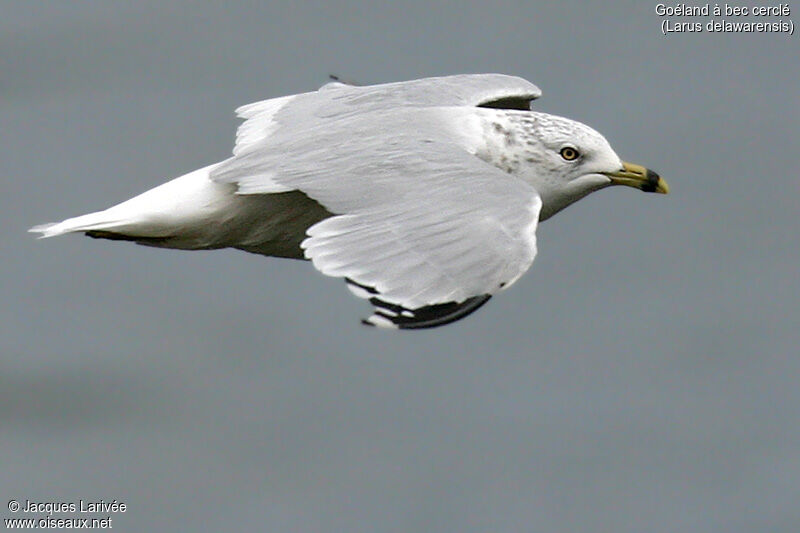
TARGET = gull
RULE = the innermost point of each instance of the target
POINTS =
(424, 195)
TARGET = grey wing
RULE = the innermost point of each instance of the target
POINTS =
(482, 90)
(291, 114)
(434, 255)
(422, 228)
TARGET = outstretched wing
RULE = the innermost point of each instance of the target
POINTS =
(429, 259)
(481, 90)
(422, 228)
(288, 113)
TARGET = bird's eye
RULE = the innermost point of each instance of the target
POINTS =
(569, 153)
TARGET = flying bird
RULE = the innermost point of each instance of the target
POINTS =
(424, 195)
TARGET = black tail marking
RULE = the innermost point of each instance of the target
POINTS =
(102, 234)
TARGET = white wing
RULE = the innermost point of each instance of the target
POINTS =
(423, 228)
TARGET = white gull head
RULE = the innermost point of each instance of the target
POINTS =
(564, 160)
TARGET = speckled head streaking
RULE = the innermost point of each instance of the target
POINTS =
(424, 196)
(564, 160)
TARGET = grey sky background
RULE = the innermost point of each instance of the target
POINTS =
(641, 377)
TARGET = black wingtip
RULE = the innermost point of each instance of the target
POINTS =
(512, 102)
(430, 316)
(394, 316)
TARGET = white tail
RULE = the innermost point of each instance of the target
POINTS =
(163, 211)
(194, 213)
(101, 220)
